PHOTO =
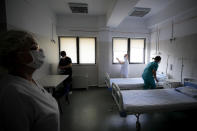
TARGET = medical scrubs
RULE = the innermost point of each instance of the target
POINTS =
(26, 106)
(149, 82)
(124, 69)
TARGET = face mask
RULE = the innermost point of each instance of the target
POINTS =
(38, 58)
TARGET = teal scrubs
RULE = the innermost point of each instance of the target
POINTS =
(149, 82)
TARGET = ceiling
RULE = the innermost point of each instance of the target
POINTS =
(115, 10)
(155, 5)
(95, 7)
(101, 7)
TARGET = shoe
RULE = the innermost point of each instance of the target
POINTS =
(70, 92)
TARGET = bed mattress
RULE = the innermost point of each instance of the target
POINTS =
(130, 83)
(144, 101)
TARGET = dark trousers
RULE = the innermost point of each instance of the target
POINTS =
(67, 86)
(68, 82)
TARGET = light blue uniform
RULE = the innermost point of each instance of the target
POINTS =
(149, 82)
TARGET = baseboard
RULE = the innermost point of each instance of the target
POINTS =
(92, 86)
(89, 86)
(104, 85)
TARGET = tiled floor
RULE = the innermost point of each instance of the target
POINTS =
(90, 110)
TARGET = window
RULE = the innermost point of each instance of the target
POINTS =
(120, 47)
(86, 50)
(69, 44)
(135, 48)
(81, 50)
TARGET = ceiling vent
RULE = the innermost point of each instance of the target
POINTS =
(78, 7)
(139, 11)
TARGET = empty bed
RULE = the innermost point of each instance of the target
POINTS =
(145, 101)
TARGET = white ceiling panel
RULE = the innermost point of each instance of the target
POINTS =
(95, 7)
(155, 5)
(115, 10)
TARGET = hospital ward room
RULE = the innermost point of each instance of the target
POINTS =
(98, 65)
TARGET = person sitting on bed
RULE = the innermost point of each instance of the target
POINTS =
(149, 73)
(124, 66)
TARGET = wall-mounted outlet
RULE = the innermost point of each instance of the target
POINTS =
(172, 39)
(53, 41)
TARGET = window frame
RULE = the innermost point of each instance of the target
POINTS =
(128, 50)
(144, 51)
(113, 47)
(77, 45)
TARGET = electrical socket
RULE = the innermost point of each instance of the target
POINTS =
(53, 41)
(172, 39)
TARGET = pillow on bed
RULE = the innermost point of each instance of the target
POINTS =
(161, 77)
(188, 90)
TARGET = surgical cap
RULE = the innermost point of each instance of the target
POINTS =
(12, 42)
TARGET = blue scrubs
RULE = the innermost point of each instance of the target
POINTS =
(149, 82)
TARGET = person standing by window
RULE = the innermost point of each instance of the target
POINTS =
(65, 66)
(124, 66)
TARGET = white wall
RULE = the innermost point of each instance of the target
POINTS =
(96, 27)
(175, 8)
(184, 15)
(36, 17)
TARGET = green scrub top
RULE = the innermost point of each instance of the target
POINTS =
(148, 74)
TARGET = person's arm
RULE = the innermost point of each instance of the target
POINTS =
(69, 65)
(119, 61)
(155, 75)
(64, 67)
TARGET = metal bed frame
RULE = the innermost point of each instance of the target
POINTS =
(118, 98)
(107, 80)
(117, 95)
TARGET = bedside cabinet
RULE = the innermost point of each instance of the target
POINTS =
(172, 83)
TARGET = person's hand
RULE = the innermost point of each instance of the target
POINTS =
(117, 59)
(156, 80)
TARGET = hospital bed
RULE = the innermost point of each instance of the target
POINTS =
(131, 83)
(136, 102)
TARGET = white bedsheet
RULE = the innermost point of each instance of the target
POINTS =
(144, 101)
(130, 83)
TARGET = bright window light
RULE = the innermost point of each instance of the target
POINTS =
(69, 44)
(87, 50)
(119, 49)
(137, 50)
